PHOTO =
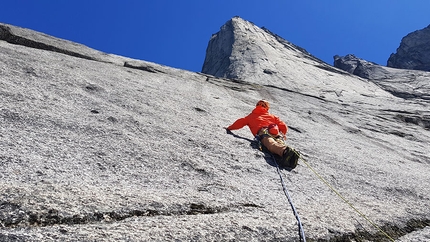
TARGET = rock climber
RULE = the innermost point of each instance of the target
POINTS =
(271, 131)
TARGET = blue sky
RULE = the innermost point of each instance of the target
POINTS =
(176, 33)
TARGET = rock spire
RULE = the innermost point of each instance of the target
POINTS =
(413, 52)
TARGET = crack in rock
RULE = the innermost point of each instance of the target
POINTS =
(393, 231)
(142, 66)
(13, 215)
(7, 35)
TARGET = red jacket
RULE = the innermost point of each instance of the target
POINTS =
(259, 118)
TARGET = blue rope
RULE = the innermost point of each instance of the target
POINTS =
(284, 187)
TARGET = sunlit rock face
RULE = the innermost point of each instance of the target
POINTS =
(407, 84)
(99, 147)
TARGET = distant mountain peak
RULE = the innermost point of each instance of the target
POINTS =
(399, 82)
(243, 51)
(413, 52)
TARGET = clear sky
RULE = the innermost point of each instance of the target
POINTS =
(176, 32)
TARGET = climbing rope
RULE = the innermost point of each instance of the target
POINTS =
(301, 231)
(343, 198)
(284, 187)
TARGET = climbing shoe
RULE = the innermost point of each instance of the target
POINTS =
(289, 159)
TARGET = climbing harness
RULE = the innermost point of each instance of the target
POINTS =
(265, 132)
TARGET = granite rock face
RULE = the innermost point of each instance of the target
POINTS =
(264, 58)
(98, 147)
(400, 82)
(355, 65)
(413, 52)
(347, 63)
